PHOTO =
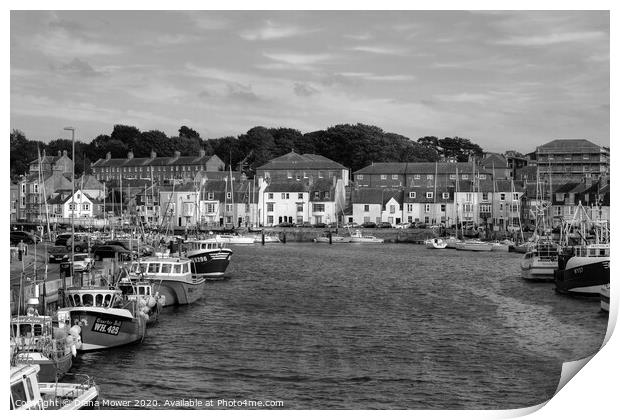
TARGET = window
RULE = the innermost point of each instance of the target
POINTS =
(228, 195)
(366, 219)
(501, 207)
(270, 196)
(298, 177)
(482, 176)
(452, 176)
(153, 268)
(392, 209)
(485, 208)
(360, 177)
(411, 194)
(305, 174)
(515, 196)
(316, 195)
(416, 176)
(443, 207)
(429, 176)
(445, 195)
(383, 176)
(85, 207)
(429, 194)
(300, 208)
(427, 208)
(366, 208)
(318, 207)
(269, 206)
(320, 175)
(229, 207)
(210, 196)
(300, 196)
(394, 176)
(465, 176)
(409, 208)
(326, 195)
(270, 220)
(468, 208)
(285, 196)
(502, 196)
(485, 195)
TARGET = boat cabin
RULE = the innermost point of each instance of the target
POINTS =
(205, 244)
(594, 250)
(25, 394)
(161, 267)
(31, 328)
(102, 298)
(543, 251)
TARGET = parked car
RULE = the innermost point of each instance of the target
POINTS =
(285, 224)
(304, 224)
(111, 251)
(351, 225)
(18, 236)
(82, 262)
(81, 243)
(419, 225)
(319, 225)
(62, 239)
(404, 225)
(55, 253)
(384, 225)
(333, 225)
(369, 225)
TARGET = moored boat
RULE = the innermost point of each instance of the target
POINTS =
(142, 291)
(335, 239)
(225, 238)
(27, 393)
(474, 245)
(34, 340)
(451, 242)
(435, 243)
(209, 258)
(605, 289)
(105, 316)
(502, 245)
(584, 270)
(359, 238)
(172, 278)
(540, 262)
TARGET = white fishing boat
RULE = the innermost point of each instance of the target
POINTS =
(27, 393)
(540, 262)
(605, 290)
(172, 278)
(358, 237)
(335, 239)
(474, 245)
(230, 239)
(435, 243)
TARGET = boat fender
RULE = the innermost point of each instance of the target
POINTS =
(151, 302)
(75, 331)
(162, 300)
(73, 350)
(145, 310)
(142, 302)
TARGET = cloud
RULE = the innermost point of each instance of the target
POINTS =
(465, 97)
(304, 89)
(242, 92)
(379, 49)
(551, 39)
(272, 31)
(379, 77)
(78, 67)
(62, 44)
(298, 59)
(359, 37)
(208, 21)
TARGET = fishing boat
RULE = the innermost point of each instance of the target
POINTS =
(605, 289)
(474, 245)
(269, 238)
(540, 262)
(34, 340)
(105, 316)
(226, 238)
(584, 271)
(358, 238)
(435, 243)
(332, 238)
(208, 256)
(27, 393)
(172, 278)
(142, 291)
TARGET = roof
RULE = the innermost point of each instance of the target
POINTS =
(494, 161)
(569, 146)
(322, 184)
(156, 161)
(375, 195)
(286, 187)
(294, 161)
(89, 183)
(407, 168)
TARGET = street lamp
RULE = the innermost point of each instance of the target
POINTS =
(72, 197)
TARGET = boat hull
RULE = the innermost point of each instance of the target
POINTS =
(179, 292)
(335, 239)
(210, 264)
(605, 298)
(100, 331)
(435, 244)
(50, 369)
(478, 247)
(583, 279)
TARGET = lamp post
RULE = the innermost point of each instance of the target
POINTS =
(72, 197)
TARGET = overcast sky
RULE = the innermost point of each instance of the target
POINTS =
(506, 80)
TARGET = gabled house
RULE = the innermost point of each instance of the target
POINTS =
(369, 205)
(285, 202)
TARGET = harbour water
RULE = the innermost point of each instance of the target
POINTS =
(377, 326)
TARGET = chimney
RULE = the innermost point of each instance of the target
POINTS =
(153, 154)
(108, 156)
(130, 154)
(177, 154)
(59, 153)
(202, 153)
(64, 153)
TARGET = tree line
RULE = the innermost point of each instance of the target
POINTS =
(352, 145)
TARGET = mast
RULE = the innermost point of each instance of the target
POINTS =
(435, 196)
(493, 197)
(232, 197)
(104, 207)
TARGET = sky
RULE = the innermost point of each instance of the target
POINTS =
(507, 80)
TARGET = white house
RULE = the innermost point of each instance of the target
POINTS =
(376, 205)
(64, 204)
(285, 202)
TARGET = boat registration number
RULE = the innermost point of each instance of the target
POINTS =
(107, 326)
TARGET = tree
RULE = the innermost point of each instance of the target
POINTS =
(127, 134)
(452, 147)
(188, 133)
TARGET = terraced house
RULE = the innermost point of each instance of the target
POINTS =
(572, 159)
(160, 169)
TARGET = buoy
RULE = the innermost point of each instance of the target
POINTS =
(151, 302)
(142, 302)
(73, 350)
(75, 331)
(69, 340)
